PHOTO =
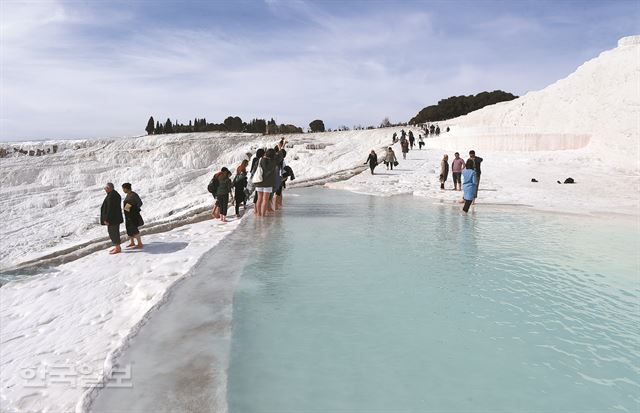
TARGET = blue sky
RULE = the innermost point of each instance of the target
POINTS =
(101, 68)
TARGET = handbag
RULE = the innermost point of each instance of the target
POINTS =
(257, 177)
(396, 163)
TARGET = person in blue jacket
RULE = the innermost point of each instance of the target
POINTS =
(469, 185)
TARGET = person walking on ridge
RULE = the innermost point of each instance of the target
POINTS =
(405, 148)
(132, 217)
(390, 158)
(372, 160)
(111, 216)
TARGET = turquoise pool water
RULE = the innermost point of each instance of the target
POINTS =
(355, 303)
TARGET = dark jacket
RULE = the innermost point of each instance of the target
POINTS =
(111, 210)
(269, 170)
(224, 186)
(476, 164)
(372, 159)
(133, 215)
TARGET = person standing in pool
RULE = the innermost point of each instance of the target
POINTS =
(444, 170)
(111, 216)
(457, 165)
(476, 166)
(405, 148)
(132, 217)
(239, 185)
(469, 185)
(412, 139)
(279, 181)
(372, 160)
(390, 158)
(266, 171)
(222, 194)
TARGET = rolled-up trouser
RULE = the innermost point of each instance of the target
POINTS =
(224, 203)
(477, 186)
(114, 234)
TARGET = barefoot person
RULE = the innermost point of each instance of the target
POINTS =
(132, 218)
(469, 184)
(265, 178)
(240, 185)
(390, 158)
(457, 165)
(222, 194)
(476, 166)
(372, 160)
(111, 216)
(405, 148)
(444, 170)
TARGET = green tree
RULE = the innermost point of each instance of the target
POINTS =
(150, 126)
(455, 106)
(168, 126)
(316, 126)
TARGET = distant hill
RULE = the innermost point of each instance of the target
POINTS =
(455, 106)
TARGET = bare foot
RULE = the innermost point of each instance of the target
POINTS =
(131, 246)
(116, 250)
(139, 246)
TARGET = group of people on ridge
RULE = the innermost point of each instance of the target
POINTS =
(268, 176)
(111, 216)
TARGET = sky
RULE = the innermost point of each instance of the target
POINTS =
(83, 69)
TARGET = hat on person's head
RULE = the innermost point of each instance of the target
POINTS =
(109, 185)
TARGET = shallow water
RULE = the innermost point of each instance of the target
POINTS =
(355, 303)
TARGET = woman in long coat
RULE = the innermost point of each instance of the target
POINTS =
(390, 158)
(372, 160)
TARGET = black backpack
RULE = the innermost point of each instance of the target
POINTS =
(213, 185)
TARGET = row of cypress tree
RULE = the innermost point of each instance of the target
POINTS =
(230, 124)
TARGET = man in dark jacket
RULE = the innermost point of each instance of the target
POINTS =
(111, 216)
(476, 165)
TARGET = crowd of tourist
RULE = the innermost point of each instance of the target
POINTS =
(266, 179)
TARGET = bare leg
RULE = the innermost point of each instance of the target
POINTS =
(259, 205)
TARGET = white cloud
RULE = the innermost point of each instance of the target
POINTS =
(57, 82)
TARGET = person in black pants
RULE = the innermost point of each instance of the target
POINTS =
(476, 166)
(239, 185)
(111, 216)
(222, 196)
(372, 160)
